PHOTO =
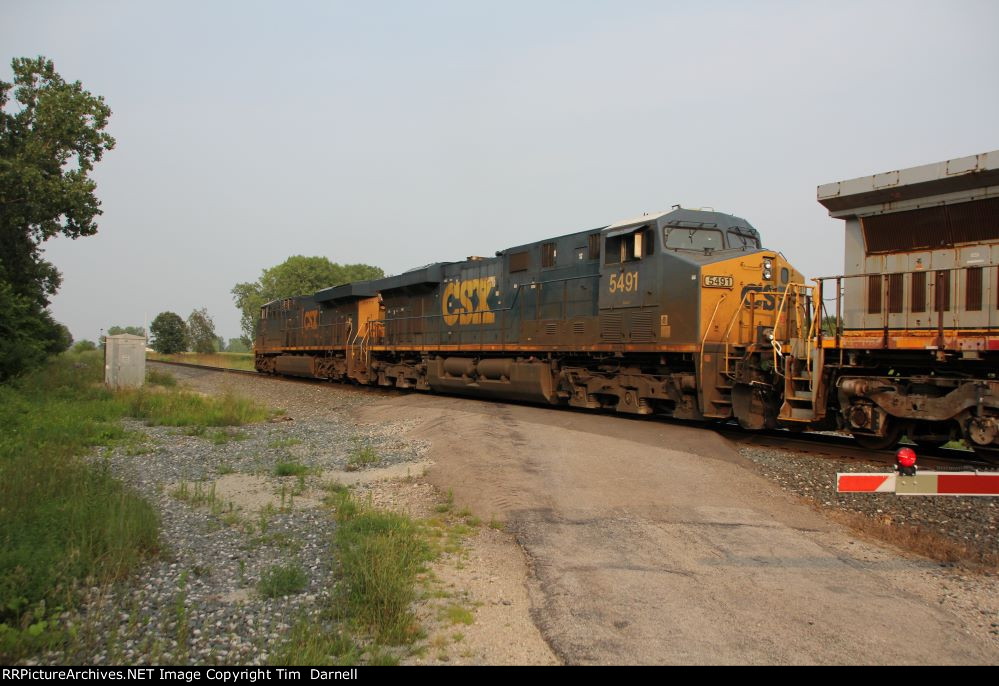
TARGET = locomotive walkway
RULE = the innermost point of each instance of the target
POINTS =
(652, 543)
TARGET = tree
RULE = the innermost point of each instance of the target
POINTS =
(49, 144)
(201, 331)
(84, 346)
(118, 330)
(298, 275)
(237, 345)
(28, 334)
(169, 333)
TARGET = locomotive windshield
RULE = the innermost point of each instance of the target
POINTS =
(701, 238)
(682, 238)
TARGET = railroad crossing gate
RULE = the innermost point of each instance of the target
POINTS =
(922, 483)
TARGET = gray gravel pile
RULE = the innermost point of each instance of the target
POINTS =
(200, 602)
(971, 521)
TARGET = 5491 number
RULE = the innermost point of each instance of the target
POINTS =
(624, 283)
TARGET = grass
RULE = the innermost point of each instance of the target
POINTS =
(290, 469)
(929, 544)
(312, 644)
(183, 408)
(224, 360)
(361, 457)
(66, 523)
(381, 554)
(158, 378)
(220, 436)
(282, 580)
(63, 523)
(458, 614)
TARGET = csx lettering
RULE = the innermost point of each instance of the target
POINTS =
(766, 296)
(312, 319)
(624, 283)
(467, 302)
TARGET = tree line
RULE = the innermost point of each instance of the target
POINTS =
(51, 136)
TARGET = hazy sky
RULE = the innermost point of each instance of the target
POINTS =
(402, 133)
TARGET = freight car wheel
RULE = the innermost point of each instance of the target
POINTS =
(892, 434)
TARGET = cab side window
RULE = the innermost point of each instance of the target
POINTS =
(630, 246)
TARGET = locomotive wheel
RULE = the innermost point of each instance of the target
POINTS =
(892, 434)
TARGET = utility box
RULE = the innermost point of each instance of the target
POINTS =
(124, 361)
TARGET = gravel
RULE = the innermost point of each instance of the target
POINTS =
(969, 521)
(197, 602)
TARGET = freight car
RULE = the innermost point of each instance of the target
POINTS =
(915, 346)
(679, 313)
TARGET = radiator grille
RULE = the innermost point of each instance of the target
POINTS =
(610, 327)
(641, 327)
(933, 227)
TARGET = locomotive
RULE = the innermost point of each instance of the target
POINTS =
(684, 314)
(672, 313)
(915, 348)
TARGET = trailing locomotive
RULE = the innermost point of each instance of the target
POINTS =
(915, 349)
(671, 313)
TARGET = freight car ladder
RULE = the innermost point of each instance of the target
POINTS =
(799, 360)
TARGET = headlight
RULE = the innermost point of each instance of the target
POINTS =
(767, 274)
(768, 265)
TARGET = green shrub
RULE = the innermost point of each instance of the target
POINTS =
(282, 580)
(381, 554)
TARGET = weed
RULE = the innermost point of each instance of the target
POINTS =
(381, 554)
(282, 580)
(159, 378)
(382, 658)
(183, 408)
(221, 436)
(457, 614)
(361, 457)
(448, 503)
(290, 469)
(496, 524)
(226, 468)
(283, 443)
(62, 520)
(313, 644)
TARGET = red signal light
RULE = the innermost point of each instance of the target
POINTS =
(906, 457)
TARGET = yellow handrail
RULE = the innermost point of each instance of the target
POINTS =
(700, 370)
(736, 316)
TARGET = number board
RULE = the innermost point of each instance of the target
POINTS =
(711, 281)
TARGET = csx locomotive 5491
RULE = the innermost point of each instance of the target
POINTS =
(684, 314)
(671, 313)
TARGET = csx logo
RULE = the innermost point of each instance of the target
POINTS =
(766, 296)
(466, 302)
(311, 319)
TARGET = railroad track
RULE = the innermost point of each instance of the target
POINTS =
(819, 444)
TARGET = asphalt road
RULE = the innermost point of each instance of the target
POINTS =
(653, 543)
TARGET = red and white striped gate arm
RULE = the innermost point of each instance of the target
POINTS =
(923, 483)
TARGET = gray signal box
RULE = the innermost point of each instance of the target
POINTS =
(124, 361)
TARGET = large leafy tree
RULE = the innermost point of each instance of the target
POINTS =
(201, 332)
(298, 275)
(169, 333)
(51, 135)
